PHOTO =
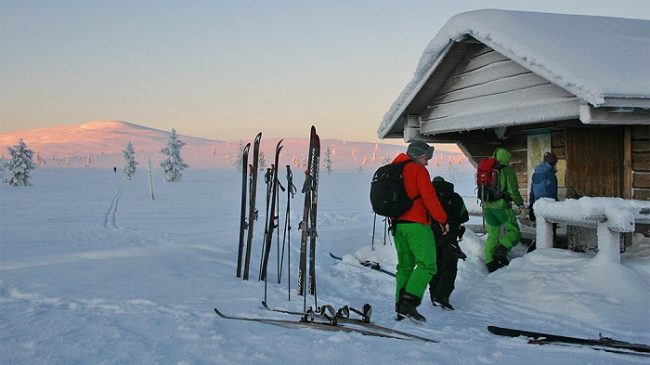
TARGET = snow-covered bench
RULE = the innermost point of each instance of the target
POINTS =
(611, 216)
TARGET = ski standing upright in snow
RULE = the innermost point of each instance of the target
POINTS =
(243, 225)
(272, 219)
(252, 212)
(308, 224)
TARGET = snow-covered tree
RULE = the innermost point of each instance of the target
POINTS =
(328, 161)
(261, 164)
(173, 164)
(89, 160)
(238, 157)
(129, 156)
(38, 160)
(19, 164)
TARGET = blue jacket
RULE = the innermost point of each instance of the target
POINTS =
(544, 184)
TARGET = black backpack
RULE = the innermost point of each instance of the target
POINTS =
(387, 194)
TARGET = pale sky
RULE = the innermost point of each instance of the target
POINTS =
(227, 69)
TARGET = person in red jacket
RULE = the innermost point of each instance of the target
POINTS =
(414, 240)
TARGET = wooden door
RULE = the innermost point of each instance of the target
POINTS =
(595, 158)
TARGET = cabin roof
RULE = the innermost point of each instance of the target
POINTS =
(603, 61)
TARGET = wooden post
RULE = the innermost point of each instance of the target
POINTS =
(608, 243)
(544, 233)
(150, 180)
(627, 163)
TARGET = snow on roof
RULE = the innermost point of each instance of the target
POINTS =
(590, 56)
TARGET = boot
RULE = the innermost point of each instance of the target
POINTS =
(407, 307)
(442, 302)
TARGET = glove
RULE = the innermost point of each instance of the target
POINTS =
(523, 213)
(444, 227)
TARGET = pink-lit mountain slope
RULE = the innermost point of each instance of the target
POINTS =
(100, 145)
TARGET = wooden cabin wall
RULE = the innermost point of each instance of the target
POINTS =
(640, 161)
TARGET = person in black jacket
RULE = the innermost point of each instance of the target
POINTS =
(448, 250)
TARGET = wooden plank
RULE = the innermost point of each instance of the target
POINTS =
(641, 194)
(641, 145)
(489, 73)
(558, 138)
(514, 99)
(640, 162)
(504, 115)
(641, 180)
(641, 132)
(559, 152)
(480, 59)
(470, 88)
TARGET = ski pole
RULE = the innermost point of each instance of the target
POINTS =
(291, 191)
(372, 242)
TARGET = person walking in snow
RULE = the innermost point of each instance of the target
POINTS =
(543, 184)
(447, 249)
(414, 241)
(499, 214)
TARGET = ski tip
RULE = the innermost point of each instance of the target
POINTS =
(335, 257)
(217, 312)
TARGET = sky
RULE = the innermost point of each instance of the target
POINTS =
(227, 69)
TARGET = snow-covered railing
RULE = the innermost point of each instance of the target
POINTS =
(611, 216)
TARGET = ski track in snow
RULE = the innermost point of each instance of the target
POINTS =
(110, 254)
(110, 218)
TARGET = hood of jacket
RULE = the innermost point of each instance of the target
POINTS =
(444, 187)
(544, 167)
(503, 156)
(401, 158)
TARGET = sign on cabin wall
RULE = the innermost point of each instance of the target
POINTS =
(539, 142)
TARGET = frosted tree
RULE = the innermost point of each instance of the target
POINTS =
(89, 160)
(238, 158)
(38, 160)
(19, 164)
(261, 161)
(328, 161)
(173, 164)
(129, 156)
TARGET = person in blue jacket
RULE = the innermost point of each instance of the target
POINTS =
(544, 182)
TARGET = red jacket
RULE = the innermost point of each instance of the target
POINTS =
(418, 182)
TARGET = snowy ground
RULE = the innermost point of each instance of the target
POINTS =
(93, 271)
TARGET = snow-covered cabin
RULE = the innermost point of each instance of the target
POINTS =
(534, 82)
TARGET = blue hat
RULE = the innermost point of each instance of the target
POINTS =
(419, 148)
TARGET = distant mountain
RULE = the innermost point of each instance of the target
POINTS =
(99, 145)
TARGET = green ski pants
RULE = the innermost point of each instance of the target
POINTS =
(416, 258)
(494, 219)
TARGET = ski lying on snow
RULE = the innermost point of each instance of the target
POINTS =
(357, 322)
(316, 325)
(367, 263)
(602, 343)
